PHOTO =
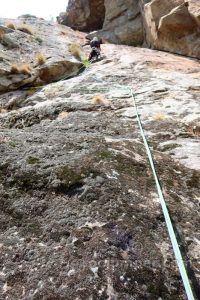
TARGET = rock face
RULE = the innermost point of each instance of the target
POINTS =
(84, 14)
(119, 20)
(173, 26)
(79, 213)
(170, 25)
(21, 49)
(123, 22)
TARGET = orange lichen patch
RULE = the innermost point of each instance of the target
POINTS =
(99, 100)
(25, 29)
(41, 59)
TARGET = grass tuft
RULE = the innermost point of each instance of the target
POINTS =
(86, 62)
(159, 117)
(75, 50)
(3, 110)
(64, 33)
(25, 29)
(15, 69)
(2, 33)
(41, 59)
(26, 69)
(63, 115)
(11, 26)
(99, 100)
(21, 69)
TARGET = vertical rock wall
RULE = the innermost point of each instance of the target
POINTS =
(169, 25)
(123, 22)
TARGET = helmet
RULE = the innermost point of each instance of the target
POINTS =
(95, 39)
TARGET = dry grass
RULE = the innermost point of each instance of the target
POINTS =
(21, 69)
(2, 33)
(99, 100)
(196, 130)
(3, 110)
(41, 59)
(63, 115)
(159, 117)
(64, 33)
(15, 69)
(26, 69)
(25, 29)
(11, 26)
(75, 50)
(30, 92)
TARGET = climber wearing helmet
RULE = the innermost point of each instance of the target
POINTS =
(96, 48)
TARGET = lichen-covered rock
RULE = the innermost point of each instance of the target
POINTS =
(79, 214)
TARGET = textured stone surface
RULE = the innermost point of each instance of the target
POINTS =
(21, 48)
(83, 15)
(123, 22)
(173, 26)
(119, 20)
(79, 213)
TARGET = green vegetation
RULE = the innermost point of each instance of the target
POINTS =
(12, 143)
(39, 40)
(76, 50)
(32, 160)
(86, 62)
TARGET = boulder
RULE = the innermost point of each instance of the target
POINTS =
(173, 26)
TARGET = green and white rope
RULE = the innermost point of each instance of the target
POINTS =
(170, 228)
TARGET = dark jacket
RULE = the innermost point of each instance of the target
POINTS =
(95, 43)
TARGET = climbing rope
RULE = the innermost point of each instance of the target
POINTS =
(177, 253)
(170, 228)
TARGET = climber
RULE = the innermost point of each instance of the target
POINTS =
(96, 48)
